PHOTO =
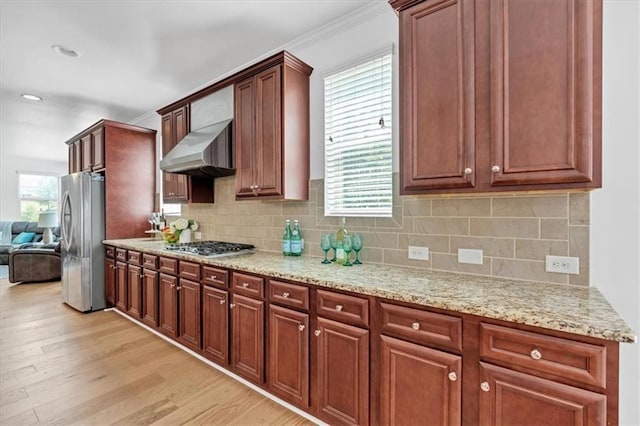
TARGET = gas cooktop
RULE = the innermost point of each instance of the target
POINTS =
(211, 248)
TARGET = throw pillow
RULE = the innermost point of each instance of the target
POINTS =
(23, 237)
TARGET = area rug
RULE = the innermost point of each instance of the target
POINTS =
(4, 272)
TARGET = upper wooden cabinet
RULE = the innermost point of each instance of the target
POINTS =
(500, 95)
(272, 154)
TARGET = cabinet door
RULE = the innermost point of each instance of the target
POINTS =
(86, 154)
(268, 133)
(405, 369)
(189, 313)
(288, 373)
(121, 286)
(545, 83)
(150, 297)
(181, 129)
(110, 282)
(343, 372)
(215, 332)
(244, 128)
(168, 305)
(134, 291)
(77, 156)
(70, 159)
(247, 348)
(97, 141)
(438, 95)
(511, 398)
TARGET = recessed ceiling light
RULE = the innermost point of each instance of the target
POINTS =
(65, 51)
(31, 97)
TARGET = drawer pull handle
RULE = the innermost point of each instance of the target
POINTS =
(536, 354)
(485, 386)
(415, 326)
(232, 305)
(213, 277)
(317, 332)
(245, 285)
(339, 308)
(301, 327)
(222, 301)
(285, 294)
(453, 376)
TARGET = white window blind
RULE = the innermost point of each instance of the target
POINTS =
(358, 162)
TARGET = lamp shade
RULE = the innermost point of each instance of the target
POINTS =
(48, 220)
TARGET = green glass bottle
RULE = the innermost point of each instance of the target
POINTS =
(296, 239)
(341, 255)
(286, 239)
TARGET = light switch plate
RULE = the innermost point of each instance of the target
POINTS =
(418, 253)
(562, 264)
(470, 256)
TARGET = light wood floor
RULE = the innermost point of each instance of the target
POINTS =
(58, 366)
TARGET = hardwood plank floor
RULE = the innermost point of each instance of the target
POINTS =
(58, 366)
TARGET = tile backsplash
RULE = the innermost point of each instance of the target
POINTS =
(514, 230)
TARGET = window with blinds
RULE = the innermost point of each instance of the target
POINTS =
(358, 165)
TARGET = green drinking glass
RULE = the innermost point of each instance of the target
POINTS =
(356, 243)
(347, 247)
(325, 245)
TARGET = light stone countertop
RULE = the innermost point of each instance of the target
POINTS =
(572, 309)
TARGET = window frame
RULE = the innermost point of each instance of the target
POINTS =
(49, 201)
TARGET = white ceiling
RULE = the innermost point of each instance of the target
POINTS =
(136, 56)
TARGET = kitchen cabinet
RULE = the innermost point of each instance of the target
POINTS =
(110, 276)
(134, 291)
(150, 281)
(499, 95)
(92, 151)
(189, 311)
(215, 324)
(75, 156)
(272, 155)
(247, 337)
(168, 305)
(121, 286)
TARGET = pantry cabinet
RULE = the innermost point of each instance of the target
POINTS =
(499, 95)
(272, 154)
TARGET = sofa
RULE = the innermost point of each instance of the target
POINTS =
(16, 228)
(35, 263)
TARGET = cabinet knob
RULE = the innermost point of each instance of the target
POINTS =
(301, 327)
(141, 275)
(317, 332)
(285, 294)
(415, 326)
(453, 376)
(172, 285)
(468, 171)
(339, 308)
(245, 285)
(536, 354)
(213, 277)
(485, 386)
(178, 288)
(222, 301)
(495, 169)
(232, 305)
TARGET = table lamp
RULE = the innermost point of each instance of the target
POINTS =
(46, 221)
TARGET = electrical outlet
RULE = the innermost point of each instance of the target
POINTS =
(197, 235)
(418, 253)
(470, 256)
(562, 264)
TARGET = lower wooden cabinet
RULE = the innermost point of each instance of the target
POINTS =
(417, 382)
(189, 312)
(288, 372)
(121, 286)
(508, 397)
(342, 372)
(134, 291)
(168, 305)
(150, 297)
(110, 282)
(247, 337)
(215, 324)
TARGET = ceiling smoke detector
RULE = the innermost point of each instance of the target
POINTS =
(65, 51)
(31, 97)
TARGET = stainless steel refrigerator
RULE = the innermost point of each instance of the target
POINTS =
(82, 218)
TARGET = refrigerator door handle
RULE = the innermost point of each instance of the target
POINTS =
(66, 229)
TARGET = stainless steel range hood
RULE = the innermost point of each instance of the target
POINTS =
(207, 151)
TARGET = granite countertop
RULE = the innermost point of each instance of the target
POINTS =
(572, 309)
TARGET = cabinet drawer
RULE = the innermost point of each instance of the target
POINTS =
(215, 276)
(341, 307)
(421, 326)
(134, 257)
(110, 251)
(248, 285)
(293, 295)
(121, 254)
(580, 362)
(169, 266)
(149, 261)
(189, 270)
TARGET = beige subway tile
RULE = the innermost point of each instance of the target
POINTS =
(400, 258)
(355, 223)
(297, 208)
(371, 254)
(579, 208)
(495, 247)
(449, 262)
(441, 226)
(331, 221)
(505, 227)
(435, 243)
(552, 206)
(579, 247)
(538, 249)
(417, 207)
(530, 270)
(375, 239)
(316, 184)
(554, 229)
(461, 207)
(394, 222)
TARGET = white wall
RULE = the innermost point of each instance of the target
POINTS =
(615, 209)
